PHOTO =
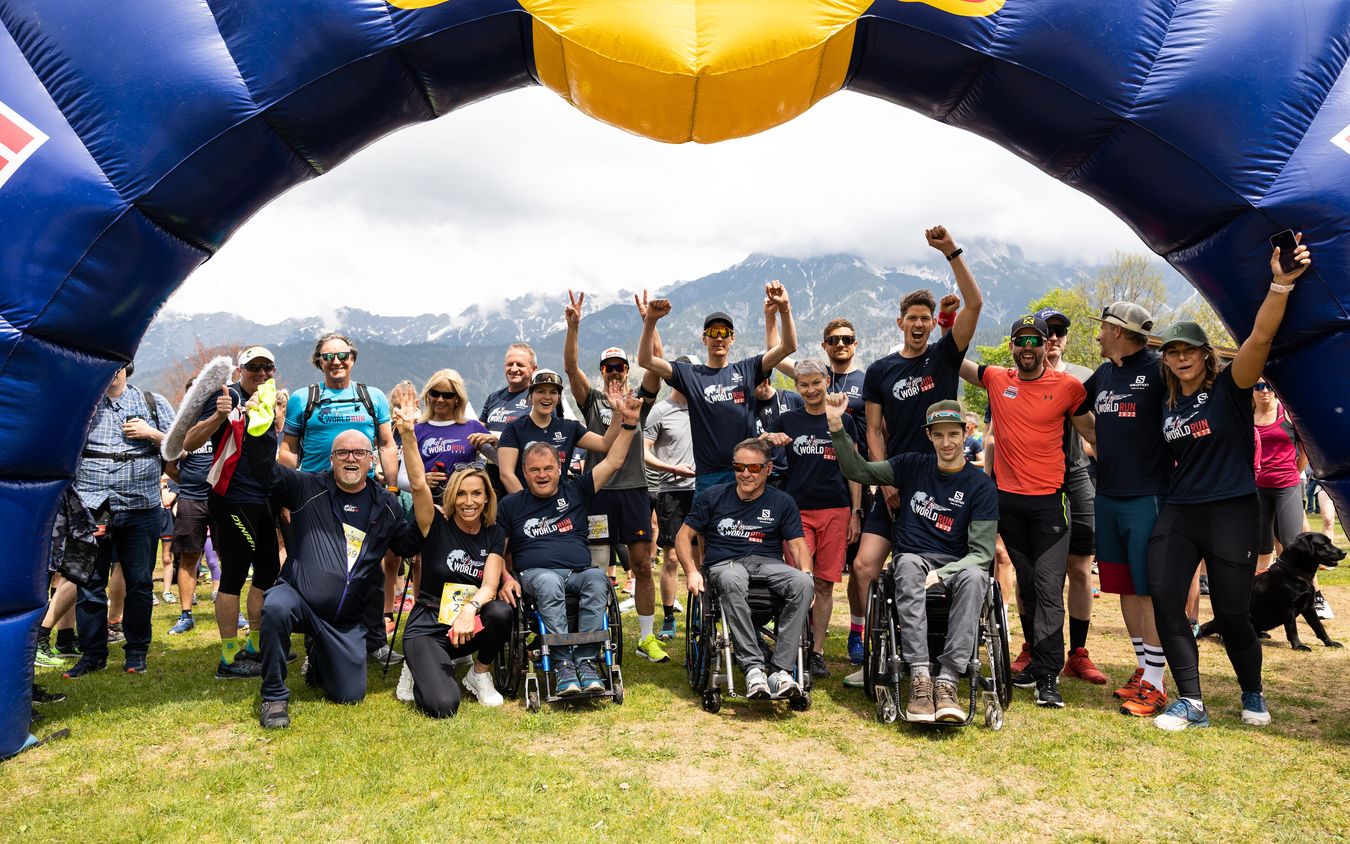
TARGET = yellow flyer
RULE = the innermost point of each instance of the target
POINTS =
(454, 596)
(597, 527)
(355, 538)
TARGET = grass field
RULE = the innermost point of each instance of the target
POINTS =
(177, 755)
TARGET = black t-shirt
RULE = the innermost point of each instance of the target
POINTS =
(973, 448)
(562, 434)
(936, 508)
(502, 407)
(733, 528)
(1211, 438)
(449, 555)
(194, 466)
(549, 532)
(721, 407)
(813, 477)
(767, 414)
(1128, 399)
(244, 488)
(851, 385)
(905, 387)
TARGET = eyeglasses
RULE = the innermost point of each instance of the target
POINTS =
(615, 367)
(752, 468)
(1059, 331)
(477, 464)
(838, 339)
(1028, 341)
(332, 356)
(352, 453)
(718, 333)
(443, 394)
(1261, 387)
(261, 367)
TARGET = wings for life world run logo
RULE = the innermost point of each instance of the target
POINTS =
(739, 529)
(715, 393)
(535, 528)
(1175, 428)
(908, 388)
(925, 506)
(436, 445)
(810, 444)
(459, 562)
(19, 139)
(1121, 405)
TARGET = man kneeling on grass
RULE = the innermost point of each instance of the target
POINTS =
(342, 524)
(744, 525)
(944, 540)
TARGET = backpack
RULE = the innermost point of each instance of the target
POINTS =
(313, 402)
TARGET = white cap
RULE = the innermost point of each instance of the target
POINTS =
(614, 353)
(253, 353)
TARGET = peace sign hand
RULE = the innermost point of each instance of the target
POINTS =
(573, 312)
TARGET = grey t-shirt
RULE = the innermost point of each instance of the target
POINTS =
(597, 413)
(1077, 458)
(672, 442)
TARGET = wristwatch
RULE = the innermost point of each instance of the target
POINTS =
(857, 511)
(477, 607)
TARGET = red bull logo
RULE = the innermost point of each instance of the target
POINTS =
(19, 139)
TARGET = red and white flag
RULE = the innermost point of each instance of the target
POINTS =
(19, 139)
(228, 452)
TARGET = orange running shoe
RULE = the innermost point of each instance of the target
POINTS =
(1079, 665)
(1023, 659)
(1130, 689)
(1150, 701)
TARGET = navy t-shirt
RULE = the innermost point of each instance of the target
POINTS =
(1128, 400)
(905, 387)
(1211, 439)
(502, 407)
(936, 507)
(851, 385)
(732, 528)
(767, 414)
(244, 488)
(973, 448)
(449, 555)
(562, 434)
(194, 466)
(549, 532)
(813, 477)
(721, 407)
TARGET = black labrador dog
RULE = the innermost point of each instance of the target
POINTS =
(1283, 592)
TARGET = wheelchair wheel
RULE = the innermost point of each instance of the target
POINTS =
(875, 657)
(801, 703)
(618, 687)
(993, 716)
(998, 644)
(696, 646)
(888, 708)
(712, 701)
(509, 667)
(615, 626)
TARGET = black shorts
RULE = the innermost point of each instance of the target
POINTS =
(672, 508)
(244, 536)
(189, 527)
(621, 516)
(1082, 514)
(877, 519)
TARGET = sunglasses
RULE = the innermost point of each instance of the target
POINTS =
(332, 356)
(260, 367)
(448, 395)
(841, 339)
(752, 468)
(718, 333)
(1261, 387)
(615, 367)
(477, 464)
(1059, 331)
(353, 453)
(1028, 341)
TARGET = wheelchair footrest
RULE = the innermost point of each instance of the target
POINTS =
(554, 640)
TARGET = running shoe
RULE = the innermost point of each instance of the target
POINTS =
(41, 695)
(385, 653)
(589, 676)
(630, 587)
(274, 714)
(135, 664)
(404, 690)
(154, 599)
(920, 707)
(1148, 702)
(678, 606)
(1321, 607)
(756, 684)
(818, 667)
(481, 687)
(44, 658)
(184, 624)
(1130, 689)
(854, 680)
(1204, 584)
(1195, 628)
(1047, 692)
(83, 667)
(169, 598)
(240, 669)
(1079, 665)
(1024, 680)
(565, 681)
(70, 650)
(649, 647)
(667, 631)
(1182, 715)
(627, 604)
(1254, 711)
(243, 622)
(782, 686)
(115, 633)
(948, 709)
(1023, 659)
(855, 647)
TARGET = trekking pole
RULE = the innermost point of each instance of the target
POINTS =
(403, 599)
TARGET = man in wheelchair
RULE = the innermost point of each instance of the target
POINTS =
(546, 530)
(944, 540)
(744, 525)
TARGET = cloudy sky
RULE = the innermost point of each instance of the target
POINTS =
(523, 193)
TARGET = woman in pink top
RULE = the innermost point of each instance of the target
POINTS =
(1278, 481)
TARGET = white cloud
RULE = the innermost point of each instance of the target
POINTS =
(523, 194)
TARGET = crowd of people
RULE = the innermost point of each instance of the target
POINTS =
(1156, 464)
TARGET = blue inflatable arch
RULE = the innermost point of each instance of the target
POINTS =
(136, 137)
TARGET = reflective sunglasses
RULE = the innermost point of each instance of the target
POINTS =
(837, 339)
(752, 468)
(1261, 387)
(443, 394)
(615, 367)
(1059, 331)
(1028, 341)
(718, 333)
(260, 367)
(356, 453)
(332, 356)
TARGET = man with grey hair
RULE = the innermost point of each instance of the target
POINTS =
(831, 505)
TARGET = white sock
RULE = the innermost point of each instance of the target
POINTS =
(1154, 661)
(645, 626)
(856, 620)
(1138, 650)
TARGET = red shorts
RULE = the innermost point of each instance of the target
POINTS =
(827, 537)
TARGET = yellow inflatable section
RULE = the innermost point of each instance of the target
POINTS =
(698, 70)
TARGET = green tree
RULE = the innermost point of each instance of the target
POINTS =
(975, 399)
(1197, 310)
(1128, 277)
(1073, 303)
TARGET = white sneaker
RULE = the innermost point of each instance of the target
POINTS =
(756, 684)
(781, 685)
(1322, 608)
(481, 687)
(678, 606)
(854, 680)
(404, 692)
(169, 598)
(628, 605)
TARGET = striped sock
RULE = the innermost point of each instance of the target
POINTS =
(1138, 650)
(855, 623)
(1153, 666)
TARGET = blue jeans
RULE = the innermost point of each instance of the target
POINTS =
(134, 534)
(550, 587)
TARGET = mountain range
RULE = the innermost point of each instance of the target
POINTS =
(392, 348)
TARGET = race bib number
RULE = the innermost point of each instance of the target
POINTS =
(598, 527)
(453, 597)
(355, 539)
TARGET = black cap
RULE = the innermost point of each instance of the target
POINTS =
(718, 316)
(1048, 314)
(1029, 321)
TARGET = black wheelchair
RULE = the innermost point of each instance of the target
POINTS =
(708, 649)
(526, 659)
(884, 669)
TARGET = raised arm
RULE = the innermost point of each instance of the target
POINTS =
(971, 299)
(647, 357)
(1251, 357)
(581, 387)
(851, 464)
(424, 505)
(651, 382)
(775, 294)
(289, 453)
(970, 373)
(787, 365)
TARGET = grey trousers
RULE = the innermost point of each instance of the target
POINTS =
(731, 579)
(966, 588)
